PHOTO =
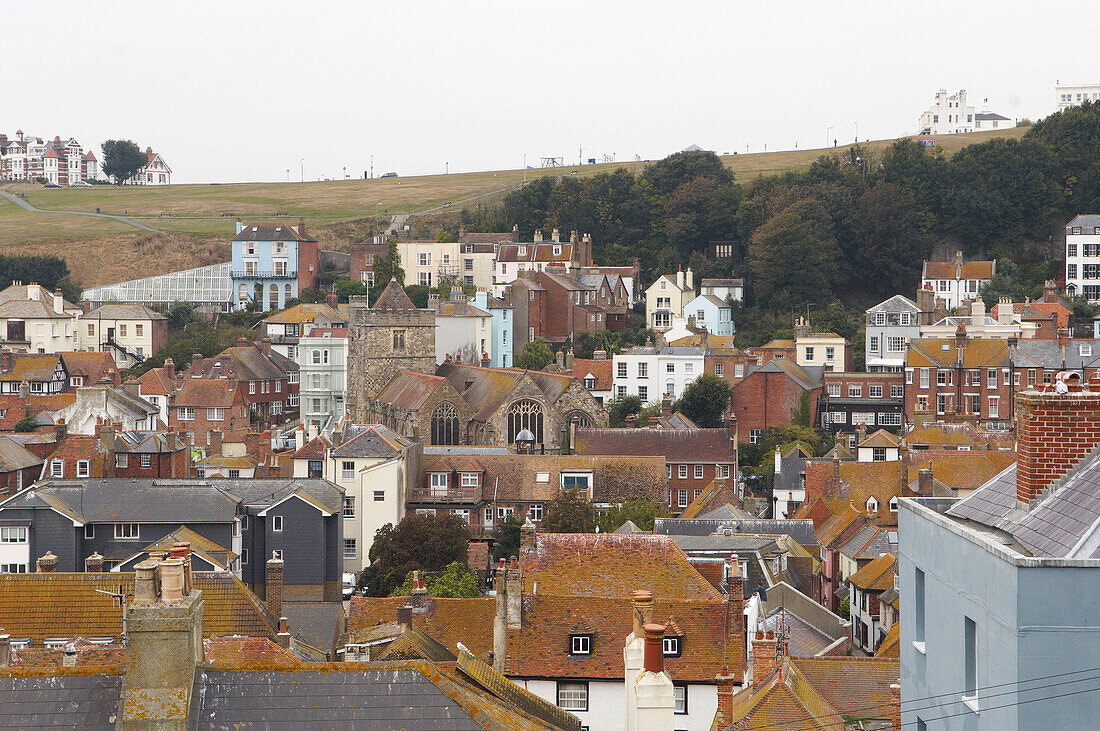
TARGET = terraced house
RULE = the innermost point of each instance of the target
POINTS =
(960, 379)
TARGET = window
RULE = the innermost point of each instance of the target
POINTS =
(895, 345)
(424, 279)
(620, 391)
(682, 472)
(1084, 351)
(643, 393)
(445, 424)
(89, 531)
(138, 330)
(698, 472)
(681, 693)
(754, 435)
(82, 468)
(724, 471)
(739, 370)
(1071, 271)
(13, 535)
(689, 367)
(57, 468)
(350, 551)
(379, 496)
(525, 415)
(576, 481)
(620, 369)
(126, 530)
(670, 646)
(833, 390)
(855, 391)
(121, 331)
(830, 353)
(573, 696)
(878, 454)
(438, 482)
(216, 414)
(252, 387)
(146, 461)
(872, 343)
(580, 644)
(809, 353)
(994, 407)
(347, 470)
(970, 647)
(534, 512)
(186, 413)
(943, 377)
(349, 506)
(398, 339)
(682, 497)
(719, 369)
(277, 523)
(643, 370)
(889, 419)
(918, 608)
(424, 259)
(894, 504)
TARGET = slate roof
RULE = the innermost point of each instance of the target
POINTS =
(65, 699)
(316, 623)
(148, 442)
(120, 311)
(490, 387)
(805, 639)
(1031, 353)
(245, 362)
(270, 232)
(393, 299)
(13, 456)
(130, 501)
(373, 440)
(870, 542)
(611, 565)
(989, 116)
(62, 604)
(801, 531)
(675, 445)
(266, 492)
(897, 303)
(808, 377)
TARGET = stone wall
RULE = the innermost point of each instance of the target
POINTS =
(372, 360)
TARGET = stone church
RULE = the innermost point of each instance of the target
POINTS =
(393, 380)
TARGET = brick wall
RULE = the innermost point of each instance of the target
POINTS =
(763, 400)
(1055, 432)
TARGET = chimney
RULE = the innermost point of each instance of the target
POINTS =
(265, 345)
(500, 620)
(419, 598)
(61, 429)
(926, 302)
(164, 646)
(274, 587)
(666, 406)
(570, 360)
(599, 355)
(1055, 431)
(301, 226)
(977, 313)
(559, 358)
(196, 364)
(405, 615)
(634, 650)
(170, 369)
(527, 536)
(764, 659)
(960, 339)
(895, 707)
(69, 659)
(724, 718)
(58, 301)
(680, 278)
(656, 696)
(1063, 343)
(214, 442)
(778, 461)
(958, 264)
(132, 388)
(514, 594)
(735, 630)
(94, 563)
(242, 341)
(48, 563)
(555, 236)
(689, 279)
(240, 226)
(283, 638)
(332, 300)
(538, 235)
(802, 328)
(1050, 291)
(5, 649)
(86, 306)
(182, 551)
(1004, 311)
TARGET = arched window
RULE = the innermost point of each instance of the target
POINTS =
(287, 296)
(584, 421)
(445, 424)
(522, 415)
(242, 293)
(273, 297)
(872, 505)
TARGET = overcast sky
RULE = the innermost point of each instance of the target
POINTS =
(240, 90)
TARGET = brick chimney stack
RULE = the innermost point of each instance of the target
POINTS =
(895, 707)
(924, 483)
(48, 563)
(500, 620)
(1058, 425)
(94, 563)
(405, 615)
(764, 657)
(724, 681)
(514, 594)
(274, 587)
(283, 638)
(419, 598)
(735, 588)
(527, 536)
(332, 300)
(170, 369)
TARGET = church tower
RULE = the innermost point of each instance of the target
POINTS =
(389, 336)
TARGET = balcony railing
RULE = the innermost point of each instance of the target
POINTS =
(264, 274)
(457, 495)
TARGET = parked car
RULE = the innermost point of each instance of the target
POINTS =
(52, 185)
(80, 184)
(389, 175)
(349, 585)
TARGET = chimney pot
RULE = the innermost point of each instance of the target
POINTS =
(654, 650)
(94, 563)
(171, 580)
(643, 611)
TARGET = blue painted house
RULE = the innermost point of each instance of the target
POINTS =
(272, 263)
(714, 314)
(500, 353)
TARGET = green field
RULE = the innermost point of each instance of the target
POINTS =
(205, 212)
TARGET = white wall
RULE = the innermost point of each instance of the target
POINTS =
(607, 704)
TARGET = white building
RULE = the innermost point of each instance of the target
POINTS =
(463, 332)
(724, 289)
(828, 350)
(948, 115)
(1072, 95)
(130, 333)
(156, 170)
(33, 320)
(323, 374)
(890, 325)
(667, 297)
(652, 373)
(958, 280)
(1083, 257)
(984, 121)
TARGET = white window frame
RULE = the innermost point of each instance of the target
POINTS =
(276, 524)
(580, 644)
(83, 468)
(127, 531)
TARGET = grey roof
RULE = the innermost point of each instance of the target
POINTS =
(717, 282)
(29, 309)
(870, 541)
(628, 527)
(1031, 353)
(726, 512)
(791, 476)
(262, 493)
(805, 639)
(116, 311)
(374, 440)
(1063, 524)
(988, 116)
(809, 377)
(146, 442)
(13, 456)
(372, 699)
(1085, 221)
(897, 303)
(269, 232)
(131, 501)
(439, 450)
(800, 530)
(315, 623)
(735, 543)
(60, 701)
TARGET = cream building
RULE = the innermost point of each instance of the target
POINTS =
(33, 320)
(666, 298)
(828, 350)
(428, 263)
(130, 333)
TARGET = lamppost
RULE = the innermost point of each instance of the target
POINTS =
(828, 131)
(345, 172)
(302, 162)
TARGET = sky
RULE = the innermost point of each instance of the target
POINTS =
(262, 91)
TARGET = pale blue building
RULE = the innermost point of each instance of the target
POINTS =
(271, 263)
(500, 354)
(715, 314)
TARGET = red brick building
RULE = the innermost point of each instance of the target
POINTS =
(771, 395)
(266, 380)
(960, 379)
(850, 400)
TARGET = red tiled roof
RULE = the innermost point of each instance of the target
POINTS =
(675, 445)
(612, 565)
(601, 369)
(448, 621)
(970, 270)
(75, 447)
(157, 383)
(393, 299)
(93, 366)
(208, 392)
(316, 448)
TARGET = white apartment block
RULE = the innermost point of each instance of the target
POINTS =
(948, 115)
(653, 373)
(1083, 257)
(1072, 95)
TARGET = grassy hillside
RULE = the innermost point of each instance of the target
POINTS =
(200, 216)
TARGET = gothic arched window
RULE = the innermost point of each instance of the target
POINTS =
(525, 414)
(445, 424)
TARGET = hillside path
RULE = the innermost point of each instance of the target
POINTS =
(122, 219)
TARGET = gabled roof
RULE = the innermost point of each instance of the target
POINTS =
(13, 456)
(489, 388)
(410, 389)
(839, 528)
(372, 440)
(315, 449)
(393, 299)
(122, 311)
(269, 232)
(155, 382)
(881, 438)
(268, 492)
(449, 621)
(202, 546)
(611, 565)
(208, 393)
(808, 377)
(714, 495)
(101, 500)
(897, 303)
(601, 370)
(969, 270)
(891, 643)
(92, 366)
(245, 362)
(32, 367)
(878, 575)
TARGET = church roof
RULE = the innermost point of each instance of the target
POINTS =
(393, 299)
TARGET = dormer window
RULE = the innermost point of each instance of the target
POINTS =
(872, 505)
(580, 644)
(590, 383)
(893, 505)
(672, 646)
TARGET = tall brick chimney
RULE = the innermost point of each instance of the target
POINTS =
(1055, 431)
(94, 563)
(724, 681)
(764, 657)
(170, 369)
(895, 707)
(419, 598)
(736, 620)
(500, 620)
(48, 563)
(274, 586)
(515, 594)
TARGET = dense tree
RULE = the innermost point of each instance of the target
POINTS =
(699, 211)
(50, 271)
(886, 229)
(458, 580)
(27, 424)
(622, 407)
(425, 542)
(637, 510)
(506, 538)
(793, 257)
(670, 173)
(122, 160)
(535, 355)
(706, 400)
(569, 512)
